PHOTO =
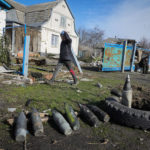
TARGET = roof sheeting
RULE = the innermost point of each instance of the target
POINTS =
(41, 7)
(34, 14)
(21, 16)
(37, 16)
(15, 16)
(16, 5)
(11, 15)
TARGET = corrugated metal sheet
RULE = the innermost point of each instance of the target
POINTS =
(113, 57)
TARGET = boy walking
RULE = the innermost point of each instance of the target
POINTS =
(65, 57)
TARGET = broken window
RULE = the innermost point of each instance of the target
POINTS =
(63, 22)
(54, 41)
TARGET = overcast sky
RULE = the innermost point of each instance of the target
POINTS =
(121, 18)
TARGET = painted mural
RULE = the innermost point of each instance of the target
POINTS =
(113, 54)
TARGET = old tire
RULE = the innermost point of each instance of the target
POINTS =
(128, 116)
(116, 92)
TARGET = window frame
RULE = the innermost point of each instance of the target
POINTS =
(54, 40)
(63, 21)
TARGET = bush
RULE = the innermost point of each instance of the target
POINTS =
(4, 51)
(86, 59)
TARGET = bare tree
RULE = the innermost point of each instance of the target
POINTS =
(90, 37)
(144, 43)
(83, 36)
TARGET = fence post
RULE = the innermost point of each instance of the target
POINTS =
(133, 57)
(26, 56)
(123, 56)
(13, 38)
(149, 63)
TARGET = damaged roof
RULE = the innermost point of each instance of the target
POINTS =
(16, 5)
(36, 14)
(30, 15)
(41, 7)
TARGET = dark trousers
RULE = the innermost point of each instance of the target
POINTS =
(145, 69)
(59, 67)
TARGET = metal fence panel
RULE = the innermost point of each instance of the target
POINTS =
(113, 57)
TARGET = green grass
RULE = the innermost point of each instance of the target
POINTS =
(51, 96)
(54, 96)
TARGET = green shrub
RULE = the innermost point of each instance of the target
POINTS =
(86, 59)
(4, 51)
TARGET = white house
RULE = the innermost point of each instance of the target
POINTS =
(2, 21)
(47, 20)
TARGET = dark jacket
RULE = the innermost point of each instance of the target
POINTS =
(65, 49)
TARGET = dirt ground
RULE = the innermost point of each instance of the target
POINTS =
(108, 136)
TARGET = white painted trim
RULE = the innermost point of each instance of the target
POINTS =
(57, 31)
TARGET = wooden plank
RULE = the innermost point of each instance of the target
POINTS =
(123, 56)
(149, 63)
(75, 61)
(133, 57)
(13, 38)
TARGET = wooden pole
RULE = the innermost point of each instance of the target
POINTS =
(123, 56)
(133, 57)
(149, 63)
(13, 38)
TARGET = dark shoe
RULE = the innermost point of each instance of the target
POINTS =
(75, 83)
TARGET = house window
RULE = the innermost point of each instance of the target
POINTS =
(63, 6)
(63, 22)
(54, 41)
(56, 19)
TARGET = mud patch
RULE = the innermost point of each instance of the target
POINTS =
(141, 99)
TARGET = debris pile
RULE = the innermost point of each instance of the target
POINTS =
(5, 70)
(14, 79)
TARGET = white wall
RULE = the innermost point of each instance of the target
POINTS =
(2, 21)
(53, 27)
(46, 37)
